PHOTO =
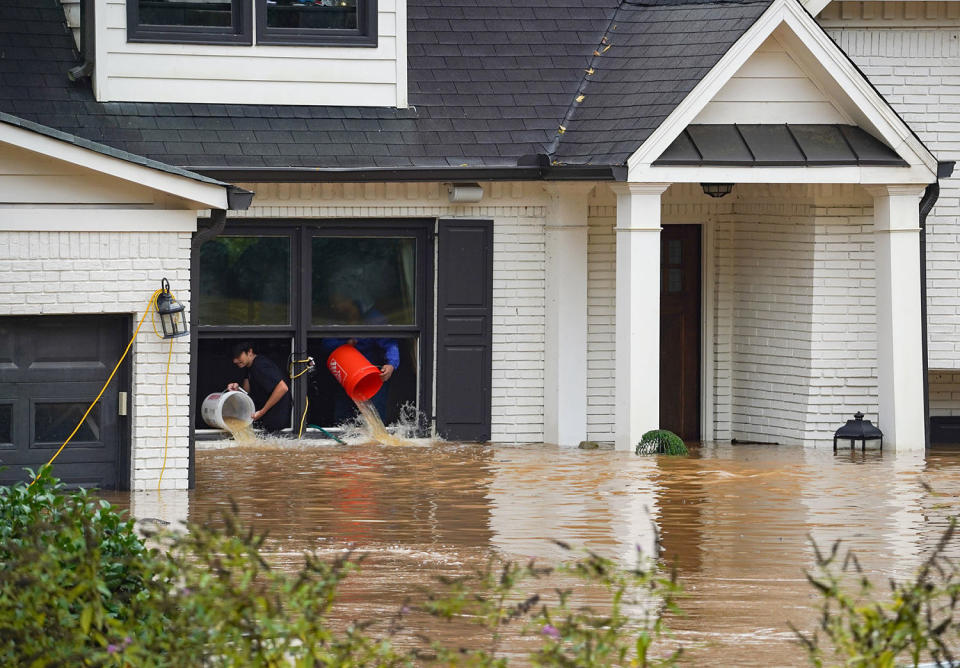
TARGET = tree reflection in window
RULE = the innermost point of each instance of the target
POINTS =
(244, 281)
(376, 274)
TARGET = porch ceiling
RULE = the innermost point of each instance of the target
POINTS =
(777, 145)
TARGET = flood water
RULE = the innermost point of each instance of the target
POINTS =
(736, 520)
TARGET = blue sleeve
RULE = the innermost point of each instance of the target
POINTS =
(391, 352)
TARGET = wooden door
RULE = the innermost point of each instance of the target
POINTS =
(680, 330)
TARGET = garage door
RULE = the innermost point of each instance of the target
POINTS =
(51, 368)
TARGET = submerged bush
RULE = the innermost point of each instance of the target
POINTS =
(863, 627)
(79, 587)
(661, 442)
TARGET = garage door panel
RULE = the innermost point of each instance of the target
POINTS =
(55, 368)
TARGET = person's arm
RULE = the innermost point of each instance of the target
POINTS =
(275, 396)
(233, 387)
(391, 358)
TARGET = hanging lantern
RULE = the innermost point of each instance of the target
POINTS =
(173, 319)
(858, 429)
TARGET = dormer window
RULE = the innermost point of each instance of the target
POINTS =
(278, 22)
(346, 22)
(190, 21)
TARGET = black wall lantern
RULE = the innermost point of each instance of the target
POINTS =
(858, 429)
(173, 319)
(716, 189)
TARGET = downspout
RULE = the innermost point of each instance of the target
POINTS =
(929, 199)
(88, 48)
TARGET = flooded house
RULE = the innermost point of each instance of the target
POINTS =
(579, 221)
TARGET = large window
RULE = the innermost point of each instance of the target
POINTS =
(201, 21)
(295, 22)
(300, 289)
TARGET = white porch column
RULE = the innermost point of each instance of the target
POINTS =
(899, 333)
(637, 311)
(565, 363)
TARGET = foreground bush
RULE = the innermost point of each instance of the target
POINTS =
(863, 627)
(79, 587)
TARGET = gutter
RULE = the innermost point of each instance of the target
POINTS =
(520, 172)
(930, 197)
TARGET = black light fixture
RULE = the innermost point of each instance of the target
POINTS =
(716, 189)
(173, 319)
(858, 429)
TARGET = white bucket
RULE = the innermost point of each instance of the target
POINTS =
(229, 404)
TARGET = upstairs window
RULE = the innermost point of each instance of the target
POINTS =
(306, 22)
(292, 22)
(194, 21)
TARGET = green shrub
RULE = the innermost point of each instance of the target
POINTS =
(79, 587)
(916, 621)
(662, 442)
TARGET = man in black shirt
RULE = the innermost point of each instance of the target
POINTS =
(266, 387)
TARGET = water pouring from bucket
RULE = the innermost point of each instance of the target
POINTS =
(231, 410)
(361, 380)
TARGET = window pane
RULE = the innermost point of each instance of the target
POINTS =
(205, 13)
(245, 281)
(6, 420)
(363, 281)
(326, 14)
(54, 422)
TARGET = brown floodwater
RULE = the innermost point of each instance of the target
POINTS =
(735, 519)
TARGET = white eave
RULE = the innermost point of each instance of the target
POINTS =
(197, 191)
(841, 77)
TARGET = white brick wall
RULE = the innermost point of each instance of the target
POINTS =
(518, 211)
(92, 272)
(911, 52)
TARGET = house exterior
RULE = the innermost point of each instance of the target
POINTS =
(733, 220)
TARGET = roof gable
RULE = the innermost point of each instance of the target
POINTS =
(833, 73)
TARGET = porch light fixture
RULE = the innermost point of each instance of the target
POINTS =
(716, 189)
(858, 429)
(465, 192)
(173, 319)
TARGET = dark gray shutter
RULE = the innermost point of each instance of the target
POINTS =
(464, 329)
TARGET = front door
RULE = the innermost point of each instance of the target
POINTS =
(680, 330)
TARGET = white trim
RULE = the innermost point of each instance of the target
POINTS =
(401, 54)
(878, 116)
(203, 195)
(95, 219)
(917, 174)
(815, 6)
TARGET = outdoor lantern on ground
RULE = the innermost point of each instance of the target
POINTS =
(173, 319)
(858, 429)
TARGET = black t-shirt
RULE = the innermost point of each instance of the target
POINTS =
(264, 375)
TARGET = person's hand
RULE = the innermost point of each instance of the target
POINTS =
(257, 415)
(385, 372)
(233, 387)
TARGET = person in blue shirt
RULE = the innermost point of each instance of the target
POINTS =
(384, 353)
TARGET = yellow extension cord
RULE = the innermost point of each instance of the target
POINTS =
(294, 376)
(151, 308)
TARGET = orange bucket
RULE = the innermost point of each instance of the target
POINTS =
(359, 378)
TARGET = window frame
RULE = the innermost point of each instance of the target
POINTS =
(239, 33)
(365, 34)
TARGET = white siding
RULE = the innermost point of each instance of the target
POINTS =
(519, 211)
(771, 88)
(911, 52)
(236, 74)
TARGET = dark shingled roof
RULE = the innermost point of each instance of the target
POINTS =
(490, 84)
